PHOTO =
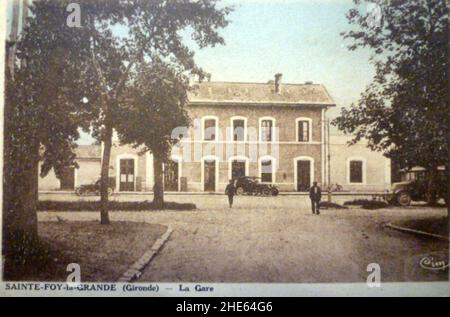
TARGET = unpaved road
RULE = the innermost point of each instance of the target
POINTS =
(277, 239)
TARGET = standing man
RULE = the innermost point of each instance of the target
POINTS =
(230, 190)
(315, 194)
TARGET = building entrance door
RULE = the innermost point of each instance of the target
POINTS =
(126, 175)
(209, 176)
(303, 175)
(171, 176)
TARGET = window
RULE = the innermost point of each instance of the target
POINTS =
(356, 171)
(209, 129)
(266, 171)
(303, 130)
(266, 127)
(237, 169)
(239, 126)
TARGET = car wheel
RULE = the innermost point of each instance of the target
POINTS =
(275, 191)
(267, 192)
(240, 191)
(404, 199)
(79, 192)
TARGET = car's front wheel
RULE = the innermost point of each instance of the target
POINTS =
(267, 192)
(275, 191)
(79, 191)
(240, 191)
(404, 199)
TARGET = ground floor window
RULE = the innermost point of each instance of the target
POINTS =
(356, 171)
(267, 170)
(237, 169)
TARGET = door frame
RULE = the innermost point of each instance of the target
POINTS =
(216, 174)
(126, 156)
(311, 171)
(237, 158)
(178, 160)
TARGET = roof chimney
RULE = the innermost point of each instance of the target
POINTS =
(278, 82)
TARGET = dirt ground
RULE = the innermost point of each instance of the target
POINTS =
(104, 253)
(277, 239)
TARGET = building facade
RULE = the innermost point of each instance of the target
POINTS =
(273, 131)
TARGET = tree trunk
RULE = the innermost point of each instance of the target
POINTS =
(447, 189)
(20, 208)
(104, 183)
(432, 183)
(158, 188)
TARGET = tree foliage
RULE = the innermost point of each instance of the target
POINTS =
(152, 112)
(404, 111)
(43, 112)
(151, 31)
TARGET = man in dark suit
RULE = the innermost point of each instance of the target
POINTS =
(315, 194)
(230, 190)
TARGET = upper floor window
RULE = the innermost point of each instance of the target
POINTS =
(239, 126)
(209, 129)
(267, 128)
(303, 129)
(356, 171)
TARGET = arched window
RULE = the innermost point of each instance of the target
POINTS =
(237, 167)
(238, 128)
(303, 128)
(210, 128)
(266, 129)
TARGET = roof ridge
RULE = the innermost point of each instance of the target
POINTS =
(256, 83)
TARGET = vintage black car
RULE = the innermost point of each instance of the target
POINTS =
(94, 188)
(252, 186)
(414, 187)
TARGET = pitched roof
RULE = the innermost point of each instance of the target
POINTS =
(88, 151)
(259, 93)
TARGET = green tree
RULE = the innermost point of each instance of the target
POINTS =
(62, 66)
(153, 29)
(154, 110)
(43, 111)
(404, 111)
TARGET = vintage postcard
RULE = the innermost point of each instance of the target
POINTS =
(225, 147)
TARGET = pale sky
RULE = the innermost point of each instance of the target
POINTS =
(298, 38)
